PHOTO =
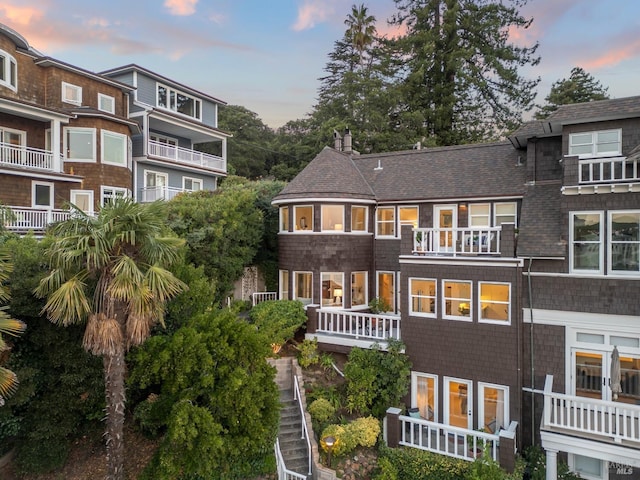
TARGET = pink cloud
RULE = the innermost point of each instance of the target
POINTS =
(181, 7)
(614, 56)
(21, 15)
(312, 13)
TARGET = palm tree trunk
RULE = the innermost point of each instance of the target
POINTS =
(114, 372)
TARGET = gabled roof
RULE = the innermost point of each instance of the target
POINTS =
(331, 174)
(596, 111)
(541, 222)
(52, 62)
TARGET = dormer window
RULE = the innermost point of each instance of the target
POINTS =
(177, 101)
(604, 143)
(8, 71)
(71, 93)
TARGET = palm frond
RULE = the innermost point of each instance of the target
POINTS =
(162, 250)
(11, 326)
(103, 335)
(68, 304)
(126, 278)
(163, 284)
(8, 382)
(138, 329)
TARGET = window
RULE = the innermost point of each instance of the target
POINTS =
(108, 194)
(303, 287)
(624, 240)
(385, 221)
(106, 103)
(505, 213)
(332, 218)
(422, 297)
(42, 195)
(586, 242)
(284, 219)
(605, 143)
(359, 217)
(458, 402)
(155, 186)
(493, 407)
(83, 199)
(8, 71)
(386, 288)
(71, 93)
(80, 144)
(12, 150)
(359, 290)
(113, 148)
(332, 289)
(495, 302)
(179, 102)
(457, 300)
(190, 184)
(407, 216)
(424, 395)
(479, 215)
(303, 218)
(283, 285)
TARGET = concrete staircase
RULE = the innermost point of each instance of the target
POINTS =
(292, 444)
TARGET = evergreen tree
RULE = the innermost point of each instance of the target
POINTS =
(579, 87)
(458, 72)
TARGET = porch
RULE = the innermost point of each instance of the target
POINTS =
(452, 242)
(185, 156)
(24, 219)
(343, 328)
(27, 157)
(599, 429)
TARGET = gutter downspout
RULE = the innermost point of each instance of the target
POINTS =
(533, 386)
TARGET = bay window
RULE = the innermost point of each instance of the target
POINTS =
(359, 289)
(284, 219)
(80, 144)
(113, 148)
(332, 218)
(359, 216)
(332, 288)
(303, 287)
(8, 71)
(303, 218)
(283, 284)
(422, 297)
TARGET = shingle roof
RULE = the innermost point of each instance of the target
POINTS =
(540, 222)
(598, 110)
(331, 174)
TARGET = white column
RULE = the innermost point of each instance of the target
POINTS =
(552, 465)
(56, 163)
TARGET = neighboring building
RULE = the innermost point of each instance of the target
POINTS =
(173, 119)
(503, 263)
(70, 135)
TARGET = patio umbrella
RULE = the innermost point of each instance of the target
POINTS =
(615, 373)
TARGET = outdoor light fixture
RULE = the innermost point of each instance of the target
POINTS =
(329, 442)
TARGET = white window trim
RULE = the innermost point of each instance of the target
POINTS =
(472, 216)
(594, 135)
(446, 382)
(425, 297)
(193, 180)
(51, 186)
(102, 97)
(66, 146)
(414, 391)
(322, 229)
(176, 91)
(401, 223)
(125, 191)
(283, 228)
(77, 89)
(572, 269)
(311, 222)
(108, 133)
(496, 215)
(508, 304)
(392, 222)
(444, 301)
(366, 219)
(294, 295)
(506, 416)
(610, 271)
(394, 289)
(73, 193)
(8, 81)
(283, 287)
(366, 290)
(329, 307)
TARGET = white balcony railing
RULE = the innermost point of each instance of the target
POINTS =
(22, 219)
(27, 157)
(151, 194)
(608, 170)
(589, 417)
(367, 326)
(455, 241)
(186, 156)
(258, 297)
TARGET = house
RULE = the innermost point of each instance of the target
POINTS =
(173, 119)
(71, 135)
(512, 271)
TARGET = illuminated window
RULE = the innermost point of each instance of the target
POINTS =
(332, 218)
(495, 302)
(422, 297)
(457, 300)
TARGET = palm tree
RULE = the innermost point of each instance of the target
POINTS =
(110, 272)
(361, 29)
(8, 326)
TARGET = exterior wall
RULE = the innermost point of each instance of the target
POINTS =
(33, 128)
(16, 190)
(210, 113)
(146, 89)
(30, 77)
(543, 159)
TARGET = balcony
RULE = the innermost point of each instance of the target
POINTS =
(27, 157)
(151, 194)
(457, 241)
(23, 219)
(587, 426)
(608, 170)
(185, 156)
(352, 329)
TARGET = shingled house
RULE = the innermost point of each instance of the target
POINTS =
(512, 271)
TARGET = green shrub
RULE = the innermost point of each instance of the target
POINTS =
(308, 353)
(278, 320)
(366, 430)
(321, 410)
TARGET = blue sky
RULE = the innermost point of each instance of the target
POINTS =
(267, 55)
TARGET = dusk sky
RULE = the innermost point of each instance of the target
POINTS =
(267, 55)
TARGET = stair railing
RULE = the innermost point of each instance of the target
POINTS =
(305, 432)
